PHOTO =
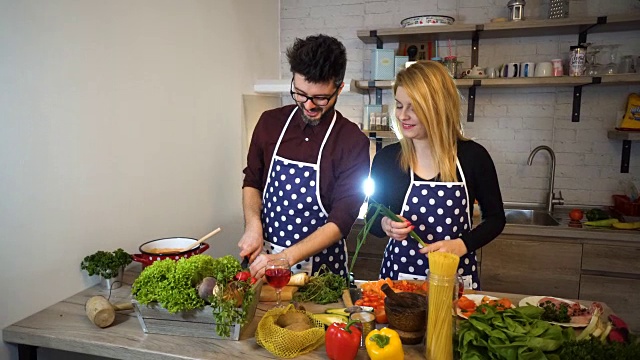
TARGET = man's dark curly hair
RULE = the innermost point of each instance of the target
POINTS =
(319, 58)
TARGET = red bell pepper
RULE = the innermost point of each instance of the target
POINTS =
(342, 341)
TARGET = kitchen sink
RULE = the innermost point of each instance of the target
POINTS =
(530, 217)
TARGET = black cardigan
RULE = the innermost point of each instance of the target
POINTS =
(391, 184)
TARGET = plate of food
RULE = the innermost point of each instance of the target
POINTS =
(427, 20)
(560, 311)
(467, 304)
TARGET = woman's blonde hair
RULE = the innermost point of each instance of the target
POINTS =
(436, 102)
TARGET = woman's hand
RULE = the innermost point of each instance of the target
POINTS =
(397, 230)
(455, 246)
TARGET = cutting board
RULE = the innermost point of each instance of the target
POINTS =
(268, 293)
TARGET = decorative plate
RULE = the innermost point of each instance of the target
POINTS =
(427, 20)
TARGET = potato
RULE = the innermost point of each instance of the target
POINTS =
(292, 317)
(298, 326)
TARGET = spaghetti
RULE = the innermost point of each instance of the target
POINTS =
(442, 282)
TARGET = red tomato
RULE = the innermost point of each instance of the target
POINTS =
(381, 315)
(243, 275)
(576, 215)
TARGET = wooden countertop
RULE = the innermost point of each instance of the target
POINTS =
(65, 326)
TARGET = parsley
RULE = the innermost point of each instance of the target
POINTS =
(324, 287)
(106, 264)
(555, 313)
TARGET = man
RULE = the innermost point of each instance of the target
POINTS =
(305, 169)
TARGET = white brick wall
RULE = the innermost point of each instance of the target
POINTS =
(509, 122)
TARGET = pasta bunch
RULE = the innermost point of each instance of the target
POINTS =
(442, 283)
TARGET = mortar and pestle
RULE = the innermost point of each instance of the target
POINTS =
(101, 312)
(407, 314)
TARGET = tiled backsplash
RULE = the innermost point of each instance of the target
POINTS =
(509, 122)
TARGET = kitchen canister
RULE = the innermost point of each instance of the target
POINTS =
(400, 62)
(577, 64)
(383, 64)
(451, 63)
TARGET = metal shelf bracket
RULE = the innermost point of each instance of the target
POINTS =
(626, 156)
(471, 101)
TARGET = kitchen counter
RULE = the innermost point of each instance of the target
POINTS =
(584, 235)
(65, 326)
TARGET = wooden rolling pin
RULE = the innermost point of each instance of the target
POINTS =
(101, 312)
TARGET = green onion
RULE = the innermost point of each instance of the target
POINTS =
(368, 222)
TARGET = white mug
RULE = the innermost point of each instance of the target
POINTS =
(544, 69)
(510, 70)
(527, 69)
(491, 72)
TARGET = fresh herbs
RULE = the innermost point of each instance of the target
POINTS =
(172, 284)
(106, 264)
(595, 349)
(369, 221)
(324, 287)
(556, 313)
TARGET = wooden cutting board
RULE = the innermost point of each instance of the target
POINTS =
(268, 293)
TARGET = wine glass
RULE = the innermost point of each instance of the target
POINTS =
(611, 67)
(278, 273)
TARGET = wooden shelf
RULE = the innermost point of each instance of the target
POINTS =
(507, 29)
(620, 79)
(453, 32)
(569, 81)
(624, 135)
(378, 134)
(365, 85)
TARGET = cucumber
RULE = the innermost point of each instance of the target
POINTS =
(627, 226)
(329, 319)
(602, 223)
(348, 310)
(337, 311)
(597, 214)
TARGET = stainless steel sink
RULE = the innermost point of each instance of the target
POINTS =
(530, 217)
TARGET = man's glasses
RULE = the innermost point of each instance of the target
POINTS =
(317, 100)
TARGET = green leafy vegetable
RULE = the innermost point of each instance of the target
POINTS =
(172, 284)
(594, 349)
(510, 334)
(324, 287)
(106, 264)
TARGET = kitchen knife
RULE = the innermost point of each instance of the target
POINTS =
(245, 263)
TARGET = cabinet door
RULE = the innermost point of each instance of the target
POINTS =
(523, 265)
(370, 256)
(620, 294)
(613, 259)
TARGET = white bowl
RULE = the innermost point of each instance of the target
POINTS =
(427, 20)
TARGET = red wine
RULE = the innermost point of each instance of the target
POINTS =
(278, 278)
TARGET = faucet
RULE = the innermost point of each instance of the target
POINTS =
(551, 196)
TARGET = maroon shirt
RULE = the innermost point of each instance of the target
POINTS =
(343, 168)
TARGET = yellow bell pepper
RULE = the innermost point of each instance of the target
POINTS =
(384, 344)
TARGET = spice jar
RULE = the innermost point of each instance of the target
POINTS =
(451, 63)
(577, 57)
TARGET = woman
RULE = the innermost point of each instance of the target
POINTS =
(432, 178)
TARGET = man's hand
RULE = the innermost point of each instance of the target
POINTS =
(251, 244)
(455, 246)
(397, 230)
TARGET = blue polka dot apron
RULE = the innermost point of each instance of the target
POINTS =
(292, 209)
(439, 211)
